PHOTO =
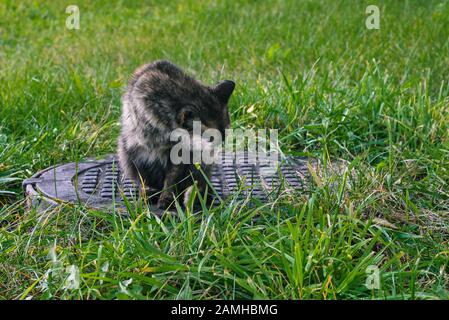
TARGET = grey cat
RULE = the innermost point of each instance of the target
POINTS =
(160, 98)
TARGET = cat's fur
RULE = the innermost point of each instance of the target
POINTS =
(160, 98)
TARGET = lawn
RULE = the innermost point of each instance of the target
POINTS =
(376, 99)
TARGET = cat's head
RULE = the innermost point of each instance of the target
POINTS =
(211, 108)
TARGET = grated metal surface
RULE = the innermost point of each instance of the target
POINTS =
(100, 184)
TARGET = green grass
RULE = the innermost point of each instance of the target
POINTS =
(377, 99)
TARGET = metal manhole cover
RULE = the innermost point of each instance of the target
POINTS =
(99, 183)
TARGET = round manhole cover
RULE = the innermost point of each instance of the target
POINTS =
(99, 184)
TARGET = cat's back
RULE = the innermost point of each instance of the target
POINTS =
(146, 121)
(161, 79)
(147, 103)
(157, 91)
(157, 69)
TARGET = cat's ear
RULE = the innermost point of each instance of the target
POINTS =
(223, 90)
